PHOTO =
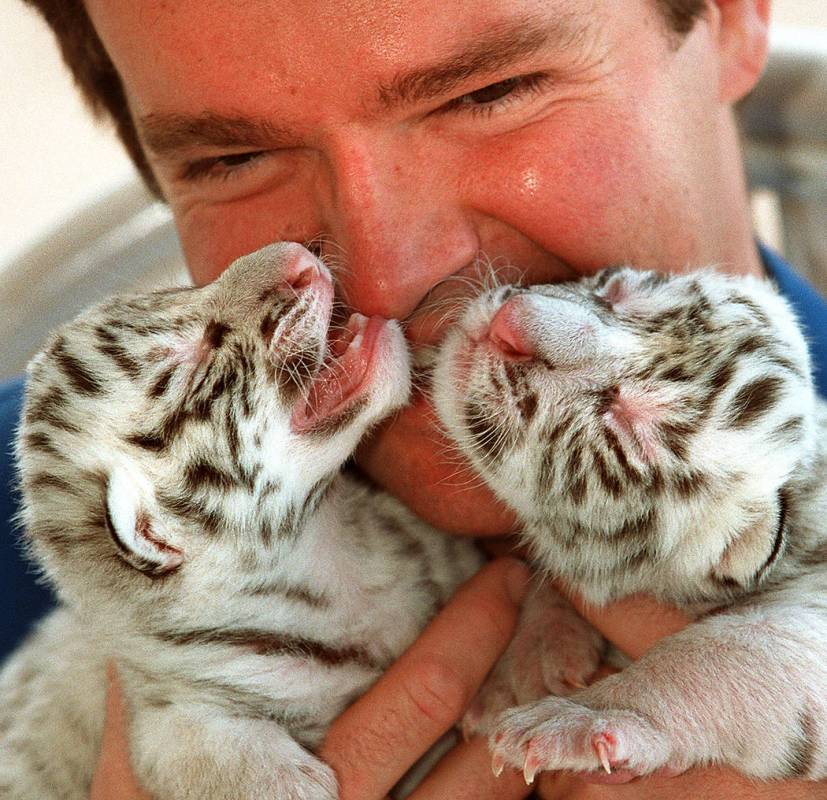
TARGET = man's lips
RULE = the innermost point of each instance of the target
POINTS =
(428, 323)
(439, 309)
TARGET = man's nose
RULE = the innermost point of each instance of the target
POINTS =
(396, 215)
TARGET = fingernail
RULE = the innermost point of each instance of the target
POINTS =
(517, 581)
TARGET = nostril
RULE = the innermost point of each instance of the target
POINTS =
(305, 277)
(507, 347)
(299, 262)
(303, 270)
(507, 332)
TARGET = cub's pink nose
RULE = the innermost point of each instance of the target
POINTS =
(302, 269)
(507, 331)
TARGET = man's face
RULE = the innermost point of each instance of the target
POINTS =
(411, 138)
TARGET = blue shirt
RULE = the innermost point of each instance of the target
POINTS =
(23, 600)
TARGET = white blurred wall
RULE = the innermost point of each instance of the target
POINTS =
(53, 158)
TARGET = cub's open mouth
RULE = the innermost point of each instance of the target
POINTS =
(348, 368)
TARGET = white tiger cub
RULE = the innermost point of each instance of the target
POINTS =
(655, 434)
(179, 458)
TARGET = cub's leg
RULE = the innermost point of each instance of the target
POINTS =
(553, 651)
(748, 689)
(198, 751)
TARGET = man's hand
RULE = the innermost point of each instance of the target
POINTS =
(373, 744)
(113, 778)
(378, 738)
(425, 693)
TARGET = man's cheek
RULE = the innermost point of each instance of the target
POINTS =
(213, 235)
(569, 189)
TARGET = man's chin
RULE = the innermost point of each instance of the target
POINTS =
(410, 458)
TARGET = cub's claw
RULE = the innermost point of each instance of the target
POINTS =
(560, 734)
(602, 750)
(530, 768)
(497, 765)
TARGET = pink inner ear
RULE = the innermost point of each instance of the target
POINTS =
(637, 416)
(616, 291)
(143, 528)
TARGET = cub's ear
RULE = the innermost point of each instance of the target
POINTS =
(133, 528)
(752, 553)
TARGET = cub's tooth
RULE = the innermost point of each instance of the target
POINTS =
(357, 321)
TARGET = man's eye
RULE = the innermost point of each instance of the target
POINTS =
(491, 98)
(488, 94)
(219, 166)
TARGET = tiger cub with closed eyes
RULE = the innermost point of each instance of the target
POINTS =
(180, 458)
(655, 434)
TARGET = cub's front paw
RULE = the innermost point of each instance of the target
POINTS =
(554, 651)
(309, 779)
(560, 734)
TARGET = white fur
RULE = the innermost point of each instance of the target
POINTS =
(745, 685)
(319, 606)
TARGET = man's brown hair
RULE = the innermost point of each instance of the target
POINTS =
(101, 86)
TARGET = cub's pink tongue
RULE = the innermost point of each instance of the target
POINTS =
(339, 381)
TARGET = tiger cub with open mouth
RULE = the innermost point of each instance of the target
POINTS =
(180, 458)
(655, 434)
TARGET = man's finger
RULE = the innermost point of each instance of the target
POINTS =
(426, 691)
(633, 624)
(113, 779)
(465, 774)
(708, 783)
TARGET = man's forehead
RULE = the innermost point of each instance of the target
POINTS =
(512, 39)
(219, 42)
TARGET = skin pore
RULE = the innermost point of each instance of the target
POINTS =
(411, 140)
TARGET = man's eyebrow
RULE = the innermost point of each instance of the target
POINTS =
(167, 134)
(500, 46)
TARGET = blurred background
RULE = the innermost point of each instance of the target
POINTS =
(55, 160)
